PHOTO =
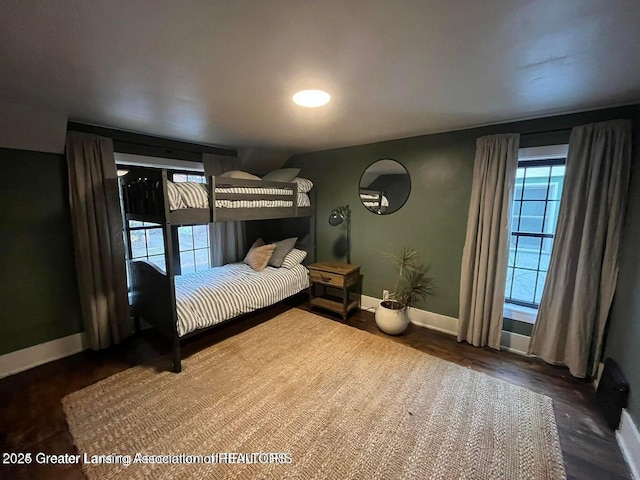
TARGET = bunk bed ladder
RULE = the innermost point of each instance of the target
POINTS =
(171, 272)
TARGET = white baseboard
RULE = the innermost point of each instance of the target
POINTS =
(433, 321)
(515, 343)
(629, 441)
(421, 318)
(511, 342)
(21, 360)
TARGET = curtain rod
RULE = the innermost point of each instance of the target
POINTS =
(542, 132)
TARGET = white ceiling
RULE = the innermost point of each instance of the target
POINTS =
(223, 72)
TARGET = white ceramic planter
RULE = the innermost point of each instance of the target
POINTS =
(391, 321)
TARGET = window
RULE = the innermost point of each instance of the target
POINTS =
(534, 219)
(188, 177)
(147, 242)
(193, 242)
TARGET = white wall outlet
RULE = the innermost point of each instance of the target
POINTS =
(385, 294)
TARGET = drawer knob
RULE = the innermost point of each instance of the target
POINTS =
(325, 279)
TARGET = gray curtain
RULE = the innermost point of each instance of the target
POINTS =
(584, 262)
(99, 243)
(486, 248)
(227, 238)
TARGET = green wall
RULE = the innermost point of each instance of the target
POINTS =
(623, 341)
(39, 300)
(434, 218)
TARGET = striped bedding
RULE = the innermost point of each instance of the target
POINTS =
(194, 195)
(303, 201)
(370, 200)
(217, 294)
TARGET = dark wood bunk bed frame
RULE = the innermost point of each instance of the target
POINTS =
(145, 199)
(377, 193)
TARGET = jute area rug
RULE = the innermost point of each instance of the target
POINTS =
(303, 397)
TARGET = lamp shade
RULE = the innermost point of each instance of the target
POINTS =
(335, 218)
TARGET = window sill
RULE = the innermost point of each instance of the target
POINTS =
(520, 313)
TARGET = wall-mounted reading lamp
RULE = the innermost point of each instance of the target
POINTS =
(339, 215)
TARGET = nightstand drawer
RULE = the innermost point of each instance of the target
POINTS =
(326, 278)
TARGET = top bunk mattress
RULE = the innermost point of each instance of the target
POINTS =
(218, 294)
(195, 195)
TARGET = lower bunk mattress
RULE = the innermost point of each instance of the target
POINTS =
(218, 294)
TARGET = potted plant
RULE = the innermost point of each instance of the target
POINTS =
(411, 286)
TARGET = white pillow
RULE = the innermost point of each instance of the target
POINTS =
(293, 258)
(281, 175)
(239, 174)
(304, 184)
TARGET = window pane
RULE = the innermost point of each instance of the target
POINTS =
(530, 224)
(185, 238)
(517, 194)
(134, 223)
(155, 241)
(524, 283)
(530, 243)
(535, 192)
(542, 276)
(138, 244)
(527, 255)
(202, 259)
(179, 177)
(509, 278)
(547, 246)
(158, 260)
(195, 178)
(201, 236)
(535, 183)
(515, 215)
(531, 217)
(533, 208)
(187, 264)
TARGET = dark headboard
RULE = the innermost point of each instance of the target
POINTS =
(275, 230)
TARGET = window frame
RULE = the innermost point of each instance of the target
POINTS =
(552, 161)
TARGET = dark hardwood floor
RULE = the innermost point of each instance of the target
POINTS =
(31, 417)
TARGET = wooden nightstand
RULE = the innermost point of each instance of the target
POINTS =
(345, 281)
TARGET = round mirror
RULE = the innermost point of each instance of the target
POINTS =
(385, 186)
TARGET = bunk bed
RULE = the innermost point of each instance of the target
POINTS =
(170, 302)
(374, 200)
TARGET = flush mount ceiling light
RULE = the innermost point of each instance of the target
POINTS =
(311, 98)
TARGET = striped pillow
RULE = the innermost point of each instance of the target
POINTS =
(293, 258)
(304, 184)
(175, 199)
(194, 195)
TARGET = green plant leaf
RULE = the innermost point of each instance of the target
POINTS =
(412, 283)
